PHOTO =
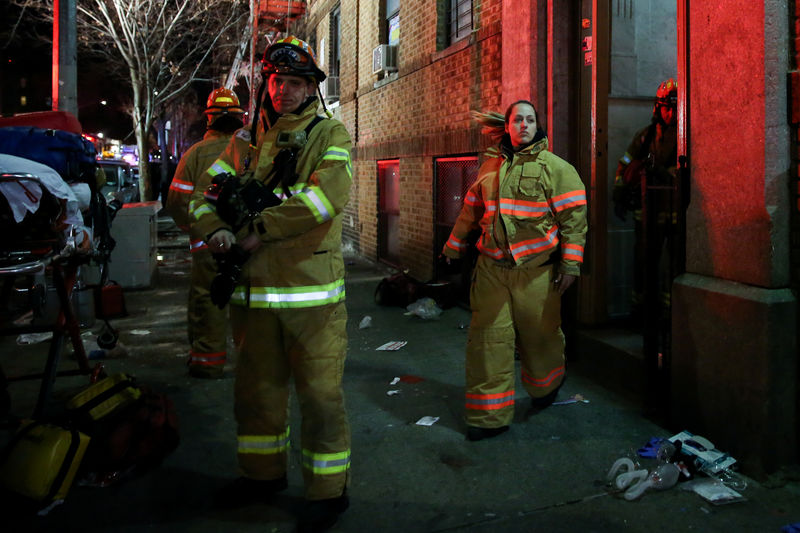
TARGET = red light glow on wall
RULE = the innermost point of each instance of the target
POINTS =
(456, 159)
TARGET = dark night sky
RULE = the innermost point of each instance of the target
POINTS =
(25, 71)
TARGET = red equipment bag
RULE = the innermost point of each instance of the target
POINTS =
(135, 430)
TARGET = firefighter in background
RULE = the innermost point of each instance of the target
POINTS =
(652, 155)
(530, 206)
(287, 308)
(208, 324)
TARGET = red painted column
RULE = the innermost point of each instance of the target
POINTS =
(734, 316)
(524, 53)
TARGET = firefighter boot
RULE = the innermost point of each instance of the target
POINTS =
(548, 399)
(245, 491)
(475, 433)
(321, 515)
(206, 372)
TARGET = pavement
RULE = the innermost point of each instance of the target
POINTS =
(548, 473)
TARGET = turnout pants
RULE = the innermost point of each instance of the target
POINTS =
(309, 345)
(208, 324)
(511, 306)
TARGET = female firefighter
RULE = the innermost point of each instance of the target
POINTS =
(530, 207)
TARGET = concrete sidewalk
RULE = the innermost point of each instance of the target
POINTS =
(546, 474)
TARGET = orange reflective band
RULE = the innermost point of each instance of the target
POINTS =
(535, 246)
(572, 251)
(490, 402)
(567, 200)
(207, 359)
(472, 199)
(523, 208)
(545, 381)
(184, 187)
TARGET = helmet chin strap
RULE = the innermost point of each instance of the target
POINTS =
(321, 99)
(257, 113)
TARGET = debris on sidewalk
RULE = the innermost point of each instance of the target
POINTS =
(395, 381)
(708, 459)
(713, 491)
(575, 398)
(663, 477)
(427, 420)
(34, 338)
(424, 308)
(791, 528)
(682, 457)
(140, 332)
(365, 323)
(391, 346)
(392, 392)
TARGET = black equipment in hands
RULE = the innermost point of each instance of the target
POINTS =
(229, 269)
(238, 201)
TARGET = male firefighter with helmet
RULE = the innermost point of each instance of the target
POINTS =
(651, 159)
(207, 323)
(274, 207)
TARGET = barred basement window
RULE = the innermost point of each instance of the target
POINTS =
(454, 176)
(335, 40)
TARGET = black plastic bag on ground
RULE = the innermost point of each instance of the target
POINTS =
(399, 290)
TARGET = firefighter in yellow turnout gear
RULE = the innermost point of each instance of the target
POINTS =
(207, 323)
(530, 207)
(287, 306)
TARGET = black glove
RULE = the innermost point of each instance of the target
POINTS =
(449, 265)
(229, 269)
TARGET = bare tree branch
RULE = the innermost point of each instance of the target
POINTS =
(160, 46)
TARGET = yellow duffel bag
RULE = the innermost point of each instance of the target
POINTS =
(103, 398)
(41, 461)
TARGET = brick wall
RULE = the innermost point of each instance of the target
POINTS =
(421, 114)
(424, 112)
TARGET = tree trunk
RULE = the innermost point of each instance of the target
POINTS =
(163, 148)
(144, 165)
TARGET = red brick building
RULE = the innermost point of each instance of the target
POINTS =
(404, 76)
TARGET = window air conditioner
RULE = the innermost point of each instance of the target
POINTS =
(384, 59)
(330, 88)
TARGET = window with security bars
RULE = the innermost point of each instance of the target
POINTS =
(335, 39)
(389, 210)
(460, 17)
(454, 176)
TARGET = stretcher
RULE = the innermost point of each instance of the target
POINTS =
(39, 250)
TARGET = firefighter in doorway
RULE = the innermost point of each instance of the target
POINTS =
(207, 323)
(651, 158)
(530, 206)
(274, 209)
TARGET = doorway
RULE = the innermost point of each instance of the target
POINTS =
(643, 54)
(453, 176)
(389, 211)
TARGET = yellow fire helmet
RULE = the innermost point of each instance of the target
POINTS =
(293, 56)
